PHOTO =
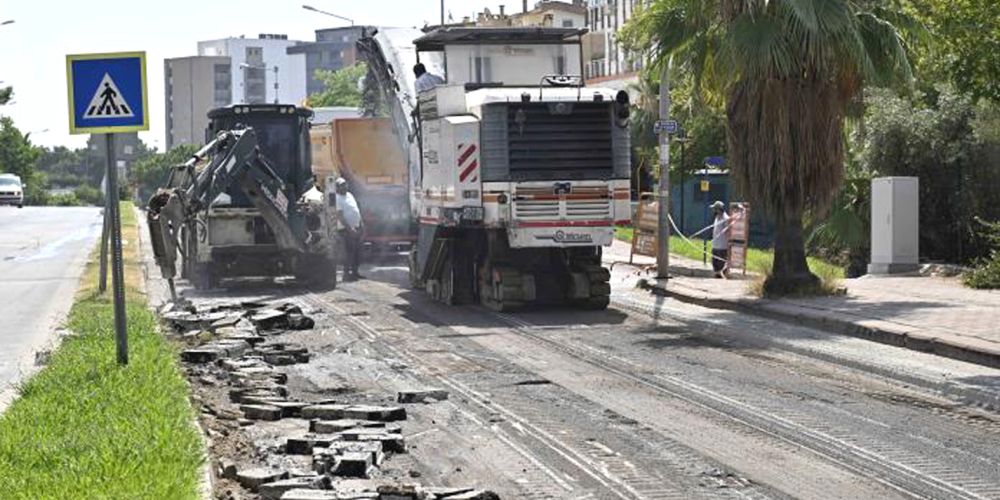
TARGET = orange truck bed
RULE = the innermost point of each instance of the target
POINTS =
(366, 153)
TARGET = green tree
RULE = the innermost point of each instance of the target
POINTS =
(966, 41)
(6, 93)
(18, 156)
(789, 71)
(342, 88)
(151, 172)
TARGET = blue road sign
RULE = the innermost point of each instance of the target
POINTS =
(668, 126)
(107, 93)
(714, 161)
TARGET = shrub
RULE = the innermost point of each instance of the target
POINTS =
(987, 273)
(65, 200)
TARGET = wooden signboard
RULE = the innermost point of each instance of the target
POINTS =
(739, 235)
(645, 226)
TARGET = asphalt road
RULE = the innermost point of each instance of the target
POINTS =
(687, 403)
(42, 254)
(703, 405)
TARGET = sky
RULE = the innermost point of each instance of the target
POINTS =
(33, 49)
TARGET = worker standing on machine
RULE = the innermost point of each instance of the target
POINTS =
(349, 215)
(425, 80)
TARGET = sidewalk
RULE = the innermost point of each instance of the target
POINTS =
(930, 314)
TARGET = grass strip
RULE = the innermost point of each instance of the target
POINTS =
(84, 427)
(758, 260)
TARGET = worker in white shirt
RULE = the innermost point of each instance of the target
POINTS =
(349, 215)
(425, 80)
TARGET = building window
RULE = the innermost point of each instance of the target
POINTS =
(223, 85)
(483, 70)
(567, 23)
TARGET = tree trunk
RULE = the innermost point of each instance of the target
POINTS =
(790, 273)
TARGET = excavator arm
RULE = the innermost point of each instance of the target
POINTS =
(233, 158)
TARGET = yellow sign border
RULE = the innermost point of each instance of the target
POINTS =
(73, 129)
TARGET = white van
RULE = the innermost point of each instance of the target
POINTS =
(11, 190)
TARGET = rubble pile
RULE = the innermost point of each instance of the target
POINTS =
(233, 347)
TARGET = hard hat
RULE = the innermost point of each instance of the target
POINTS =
(719, 205)
(341, 181)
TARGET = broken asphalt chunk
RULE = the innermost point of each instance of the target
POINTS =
(201, 355)
(261, 412)
(352, 464)
(399, 492)
(324, 411)
(331, 426)
(252, 479)
(276, 489)
(304, 445)
(301, 494)
(266, 390)
(421, 396)
(227, 469)
(380, 413)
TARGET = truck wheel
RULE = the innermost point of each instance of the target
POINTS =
(596, 303)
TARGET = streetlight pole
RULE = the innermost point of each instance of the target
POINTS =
(442, 13)
(331, 14)
(663, 226)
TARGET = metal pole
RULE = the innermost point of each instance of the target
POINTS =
(663, 227)
(442, 13)
(102, 278)
(117, 271)
(704, 219)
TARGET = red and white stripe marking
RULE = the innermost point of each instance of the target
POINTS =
(468, 164)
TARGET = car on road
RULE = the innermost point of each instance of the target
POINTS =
(11, 190)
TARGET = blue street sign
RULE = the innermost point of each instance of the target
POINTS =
(107, 93)
(668, 126)
(714, 161)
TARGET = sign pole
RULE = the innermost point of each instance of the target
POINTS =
(663, 227)
(107, 95)
(117, 271)
(102, 278)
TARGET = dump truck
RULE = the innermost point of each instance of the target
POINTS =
(519, 171)
(246, 204)
(365, 152)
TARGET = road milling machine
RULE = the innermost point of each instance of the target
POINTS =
(518, 171)
(246, 204)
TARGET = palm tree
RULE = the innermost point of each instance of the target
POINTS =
(789, 71)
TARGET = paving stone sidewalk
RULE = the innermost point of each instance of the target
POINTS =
(930, 314)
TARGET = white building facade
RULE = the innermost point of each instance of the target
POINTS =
(262, 69)
(605, 61)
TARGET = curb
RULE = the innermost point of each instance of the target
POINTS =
(913, 340)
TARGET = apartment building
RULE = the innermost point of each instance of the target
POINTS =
(193, 85)
(605, 61)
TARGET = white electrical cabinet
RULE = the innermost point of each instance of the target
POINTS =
(895, 225)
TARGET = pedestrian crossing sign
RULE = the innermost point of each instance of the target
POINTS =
(107, 93)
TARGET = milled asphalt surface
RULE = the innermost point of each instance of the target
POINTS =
(694, 406)
(677, 402)
(42, 255)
